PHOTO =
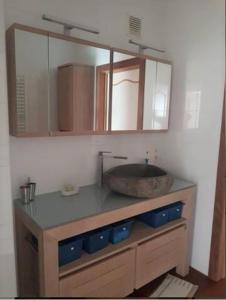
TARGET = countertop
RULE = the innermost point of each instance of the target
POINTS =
(53, 209)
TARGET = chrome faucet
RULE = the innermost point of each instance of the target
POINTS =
(101, 155)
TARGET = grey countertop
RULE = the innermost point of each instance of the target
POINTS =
(53, 209)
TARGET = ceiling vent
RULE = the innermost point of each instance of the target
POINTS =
(134, 26)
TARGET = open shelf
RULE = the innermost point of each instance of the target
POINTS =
(140, 233)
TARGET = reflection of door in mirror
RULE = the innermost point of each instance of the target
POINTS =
(31, 82)
(157, 95)
(127, 92)
(102, 97)
(74, 85)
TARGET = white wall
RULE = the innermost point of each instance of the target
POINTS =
(7, 260)
(195, 43)
(192, 33)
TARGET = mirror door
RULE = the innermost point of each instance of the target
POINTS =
(79, 86)
(141, 91)
(127, 92)
(31, 83)
(156, 95)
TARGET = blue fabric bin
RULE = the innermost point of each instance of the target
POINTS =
(70, 250)
(121, 231)
(97, 239)
(175, 211)
(155, 218)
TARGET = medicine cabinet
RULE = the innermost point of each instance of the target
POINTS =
(60, 85)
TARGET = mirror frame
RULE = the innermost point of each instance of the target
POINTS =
(11, 66)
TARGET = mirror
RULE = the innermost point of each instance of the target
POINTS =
(127, 88)
(156, 95)
(79, 86)
(140, 93)
(31, 81)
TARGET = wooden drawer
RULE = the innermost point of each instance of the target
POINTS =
(157, 256)
(112, 277)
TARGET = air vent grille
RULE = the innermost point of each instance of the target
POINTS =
(135, 25)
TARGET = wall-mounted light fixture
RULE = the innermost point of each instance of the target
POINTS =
(143, 47)
(69, 26)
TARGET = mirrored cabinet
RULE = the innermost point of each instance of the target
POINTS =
(60, 85)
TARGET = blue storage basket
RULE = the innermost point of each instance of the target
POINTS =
(121, 231)
(97, 239)
(70, 250)
(155, 218)
(175, 210)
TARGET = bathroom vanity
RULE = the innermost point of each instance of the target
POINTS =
(114, 271)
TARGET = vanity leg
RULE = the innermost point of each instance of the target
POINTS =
(27, 261)
(48, 267)
(188, 213)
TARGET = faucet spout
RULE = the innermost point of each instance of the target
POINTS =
(120, 157)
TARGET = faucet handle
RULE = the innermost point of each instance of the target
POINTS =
(100, 153)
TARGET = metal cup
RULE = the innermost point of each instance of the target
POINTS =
(25, 193)
(32, 186)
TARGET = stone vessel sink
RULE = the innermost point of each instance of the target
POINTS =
(138, 180)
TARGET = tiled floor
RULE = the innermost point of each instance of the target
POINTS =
(207, 288)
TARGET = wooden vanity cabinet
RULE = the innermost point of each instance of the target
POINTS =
(75, 85)
(114, 271)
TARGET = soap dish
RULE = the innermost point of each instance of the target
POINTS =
(70, 191)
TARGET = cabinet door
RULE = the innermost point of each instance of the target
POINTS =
(157, 93)
(28, 82)
(112, 277)
(159, 255)
(127, 92)
(79, 88)
(141, 90)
